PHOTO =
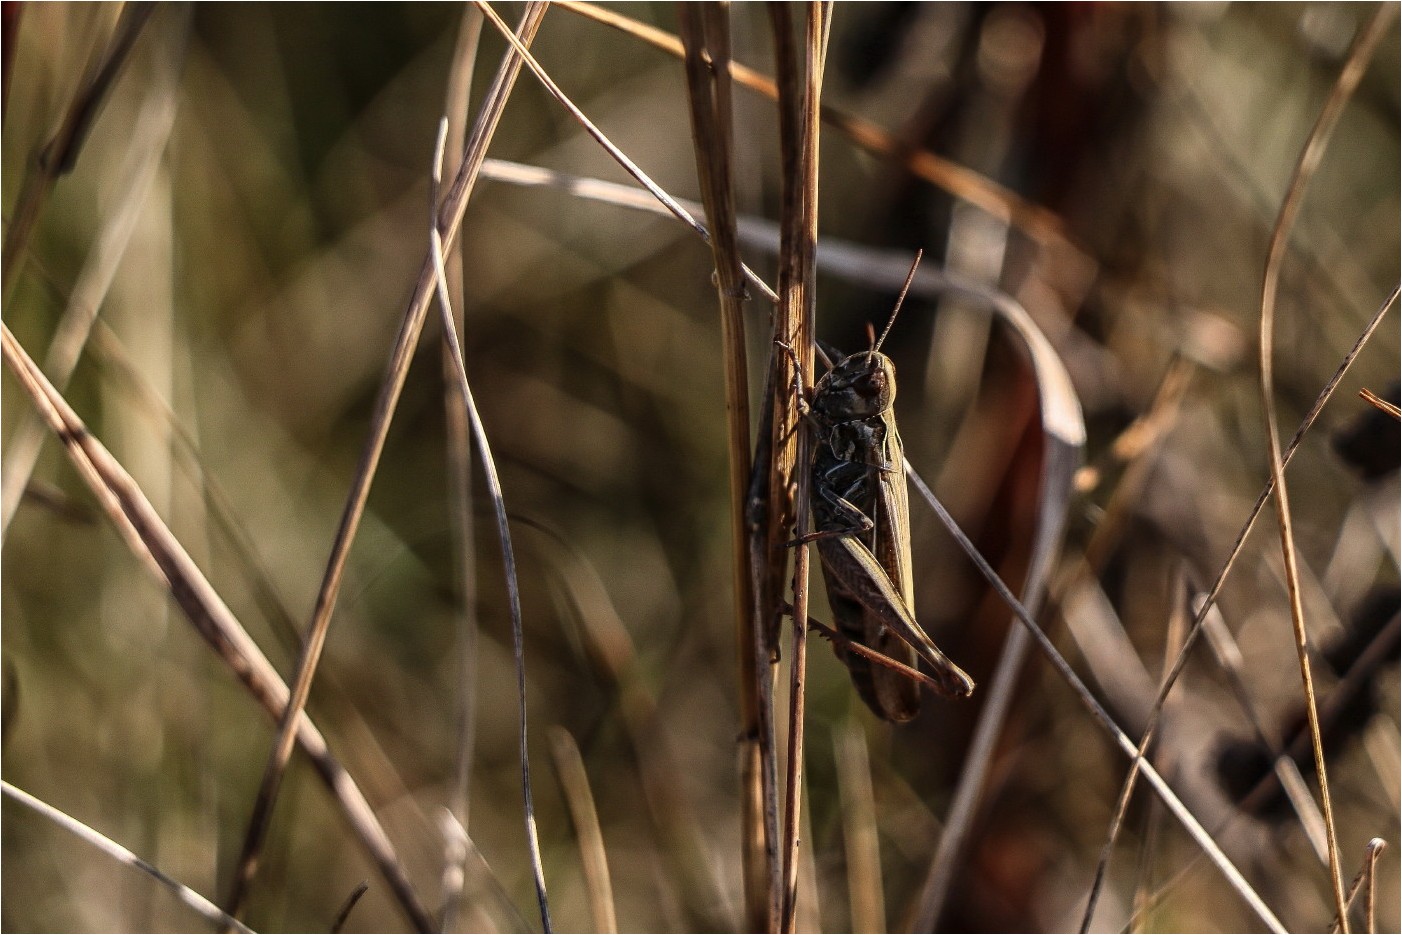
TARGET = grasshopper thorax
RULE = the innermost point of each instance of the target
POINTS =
(859, 387)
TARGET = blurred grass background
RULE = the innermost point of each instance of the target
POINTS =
(279, 157)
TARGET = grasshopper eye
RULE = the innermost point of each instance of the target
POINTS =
(873, 385)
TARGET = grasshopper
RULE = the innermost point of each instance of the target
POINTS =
(861, 522)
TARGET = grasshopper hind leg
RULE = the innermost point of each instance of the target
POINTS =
(895, 700)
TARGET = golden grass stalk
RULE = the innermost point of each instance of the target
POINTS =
(961, 182)
(1310, 157)
(705, 31)
(799, 70)
(1379, 403)
(574, 780)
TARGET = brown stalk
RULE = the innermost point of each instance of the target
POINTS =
(799, 69)
(347, 907)
(1365, 882)
(705, 31)
(153, 544)
(508, 556)
(999, 202)
(1379, 403)
(569, 767)
(1210, 600)
(1310, 158)
(1311, 154)
(60, 154)
(450, 219)
(145, 152)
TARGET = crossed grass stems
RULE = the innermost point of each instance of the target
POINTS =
(798, 92)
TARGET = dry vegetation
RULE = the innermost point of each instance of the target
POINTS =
(224, 271)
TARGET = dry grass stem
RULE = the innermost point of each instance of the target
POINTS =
(144, 155)
(799, 71)
(1310, 157)
(60, 154)
(119, 853)
(574, 780)
(338, 924)
(705, 29)
(1101, 716)
(410, 328)
(1379, 403)
(513, 588)
(1209, 600)
(978, 190)
(862, 847)
(457, 96)
(152, 543)
(1365, 882)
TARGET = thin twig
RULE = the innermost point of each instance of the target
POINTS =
(1370, 903)
(508, 556)
(1369, 396)
(994, 199)
(450, 219)
(116, 851)
(1365, 882)
(800, 72)
(1209, 601)
(1310, 158)
(347, 907)
(459, 465)
(1098, 712)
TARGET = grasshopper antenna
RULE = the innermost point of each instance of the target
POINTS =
(910, 277)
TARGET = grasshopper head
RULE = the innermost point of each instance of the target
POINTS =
(859, 387)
